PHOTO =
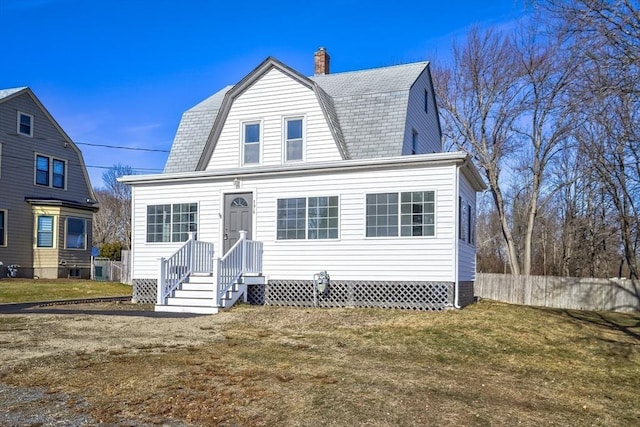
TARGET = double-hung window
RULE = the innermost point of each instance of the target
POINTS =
(50, 172)
(171, 222)
(44, 236)
(410, 213)
(294, 139)
(25, 124)
(76, 237)
(3, 228)
(307, 218)
(251, 136)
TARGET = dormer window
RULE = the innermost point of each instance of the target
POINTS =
(294, 140)
(25, 124)
(251, 143)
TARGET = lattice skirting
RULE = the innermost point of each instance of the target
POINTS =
(145, 291)
(352, 293)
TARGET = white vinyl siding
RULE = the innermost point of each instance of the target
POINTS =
(352, 256)
(466, 232)
(271, 99)
(422, 119)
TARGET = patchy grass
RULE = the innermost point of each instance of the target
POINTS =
(489, 364)
(25, 290)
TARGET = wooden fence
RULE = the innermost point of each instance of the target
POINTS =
(113, 271)
(560, 292)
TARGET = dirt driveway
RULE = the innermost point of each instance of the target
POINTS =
(36, 333)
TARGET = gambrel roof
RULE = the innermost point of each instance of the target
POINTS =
(365, 110)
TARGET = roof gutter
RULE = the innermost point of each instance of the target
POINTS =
(279, 170)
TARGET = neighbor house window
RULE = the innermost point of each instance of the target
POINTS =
(50, 172)
(307, 218)
(25, 124)
(171, 223)
(44, 238)
(294, 143)
(3, 228)
(251, 143)
(405, 214)
(76, 237)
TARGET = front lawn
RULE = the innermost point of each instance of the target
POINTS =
(490, 364)
(25, 290)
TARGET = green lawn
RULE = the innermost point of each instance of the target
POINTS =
(25, 290)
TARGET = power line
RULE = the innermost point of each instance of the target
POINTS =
(120, 147)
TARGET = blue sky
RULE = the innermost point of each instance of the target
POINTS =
(121, 73)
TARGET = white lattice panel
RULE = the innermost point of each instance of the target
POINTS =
(145, 291)
(401, 295)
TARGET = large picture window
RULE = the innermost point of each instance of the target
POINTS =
(3, 228)
(405, 214)
(76, 237)
(171, 223)
(44, 238)
(307, 218)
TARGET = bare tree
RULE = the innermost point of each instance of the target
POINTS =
(605, 36)
(478, 100)
(113, 220)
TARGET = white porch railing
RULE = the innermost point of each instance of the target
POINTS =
(245, 257)
(193, 257)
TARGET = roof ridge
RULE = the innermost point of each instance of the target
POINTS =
(371, 69)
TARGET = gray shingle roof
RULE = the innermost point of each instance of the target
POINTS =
(193, 132)
(372, 107)
(366, 111)
(4, 93)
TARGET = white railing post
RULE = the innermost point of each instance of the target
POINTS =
(243, 255)
(161, 282)
(216, 280)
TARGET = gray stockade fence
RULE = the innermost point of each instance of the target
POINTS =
(560, 292)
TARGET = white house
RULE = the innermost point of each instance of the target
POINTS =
(342, 173)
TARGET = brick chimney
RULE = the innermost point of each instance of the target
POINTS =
(321, 62)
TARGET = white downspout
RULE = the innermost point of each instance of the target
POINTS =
(456, 239)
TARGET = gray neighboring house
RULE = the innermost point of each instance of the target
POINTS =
(46, 202)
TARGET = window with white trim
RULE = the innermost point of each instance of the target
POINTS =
(251, 137)
(25, 124)
(3, 227)
(171, 223)
(410, 213)
(50, 172)
(76, 233)
(312, 218)
(44, 232)
(294, 139)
